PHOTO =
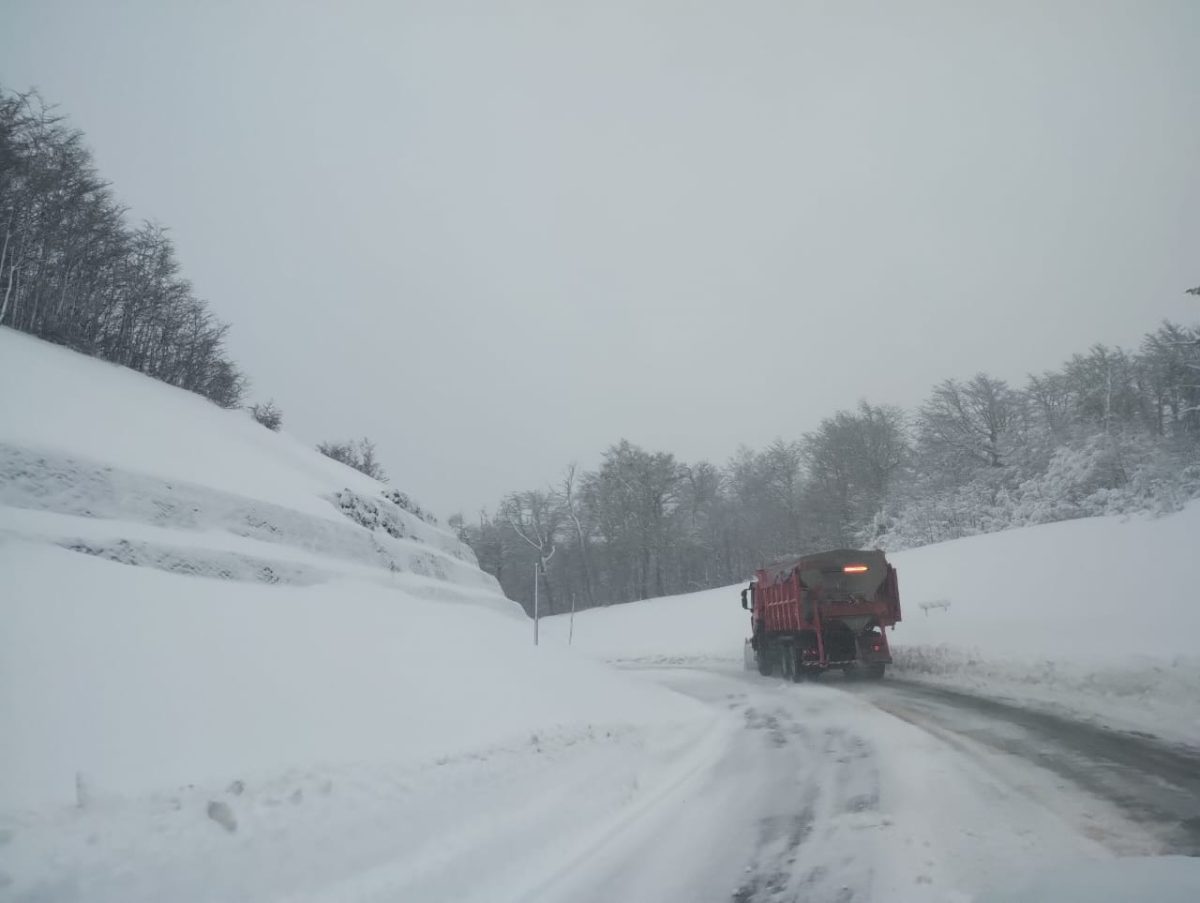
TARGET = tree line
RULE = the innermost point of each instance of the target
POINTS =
(1110, 431)
(74, 272)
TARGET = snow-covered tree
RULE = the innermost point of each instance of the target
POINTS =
(1112, 431)
(360, 455)
(268, 414)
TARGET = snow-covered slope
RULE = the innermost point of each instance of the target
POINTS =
(211, 629)
(101, 459)
(1099, 616)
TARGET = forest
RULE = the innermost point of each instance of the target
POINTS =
(1111, 431)
(73, 271)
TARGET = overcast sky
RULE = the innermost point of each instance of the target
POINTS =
(499, 237)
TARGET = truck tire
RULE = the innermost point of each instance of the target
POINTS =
(787, 663)
(800, 673)
(874, 671)
(765, 656)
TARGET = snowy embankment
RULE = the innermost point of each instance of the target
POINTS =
(233, 668)
(1098, 618)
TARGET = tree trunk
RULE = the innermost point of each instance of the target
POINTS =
(548, 591)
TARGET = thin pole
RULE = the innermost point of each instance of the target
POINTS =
(571, 630)
(535, 603)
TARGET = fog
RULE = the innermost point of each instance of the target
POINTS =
(497, 238)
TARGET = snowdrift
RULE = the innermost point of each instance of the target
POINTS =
(1099, 617)
(191, 600)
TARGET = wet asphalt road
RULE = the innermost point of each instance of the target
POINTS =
(1154, 782)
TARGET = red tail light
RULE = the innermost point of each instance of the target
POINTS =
(875, 647)
(855, 569)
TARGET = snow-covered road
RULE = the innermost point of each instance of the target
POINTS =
(885, 792)
(840, 791)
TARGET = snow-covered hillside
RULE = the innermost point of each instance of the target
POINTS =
(211, 629)
(1097, 616)
(101, 459)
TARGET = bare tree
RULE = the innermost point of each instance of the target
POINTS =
(268, 414)
(853, 459)
(536, 518)
(72, 271)
(368, 463)
(570, 505)
(635, 494)
(359, 455)
(974, 421)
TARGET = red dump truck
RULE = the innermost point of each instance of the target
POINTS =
(823, 611)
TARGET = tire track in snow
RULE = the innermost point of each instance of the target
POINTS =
(860, 805)
(814, 851)
(821, 796)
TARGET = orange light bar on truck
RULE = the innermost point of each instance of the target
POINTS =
(855, 569)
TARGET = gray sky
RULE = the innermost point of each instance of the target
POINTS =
(498, 237)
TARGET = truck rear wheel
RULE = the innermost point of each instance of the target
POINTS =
(765, 656)
(874, 671)
(800, 671)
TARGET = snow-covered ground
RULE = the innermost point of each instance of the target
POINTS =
(691, 629)
(232, 669)
(1096, 617)
(219, 646)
